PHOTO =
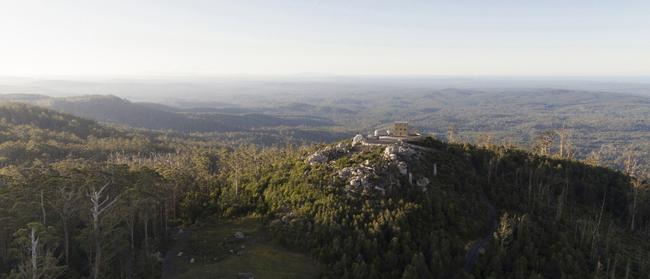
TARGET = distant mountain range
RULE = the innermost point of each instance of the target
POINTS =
(108, 108)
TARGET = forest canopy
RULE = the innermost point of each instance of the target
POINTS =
(79, 199)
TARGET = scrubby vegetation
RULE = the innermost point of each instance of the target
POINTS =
(81, 200)
(603, 125)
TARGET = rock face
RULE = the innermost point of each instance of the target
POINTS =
(396, 151)
(358, 139)
(327, 154)
(359, 178)
(398, 155)
(371, 176)
(390, 153)
(316, 158)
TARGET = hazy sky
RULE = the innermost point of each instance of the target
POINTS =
(181, 37)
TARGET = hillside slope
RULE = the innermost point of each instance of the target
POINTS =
(424, 209)
(52, 163)
(30, 134)
(418, 211)
(108, 108)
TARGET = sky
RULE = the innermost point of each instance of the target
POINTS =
(206, 38)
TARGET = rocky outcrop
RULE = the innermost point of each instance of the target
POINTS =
(396, 151)
(359, 179)
(327, 154)
(372, 177)
(357, 140)
(346, 173)
(390, 153)
(316, 158)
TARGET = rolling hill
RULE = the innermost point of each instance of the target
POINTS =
(429, 209)
(112, 109)
(415, 209)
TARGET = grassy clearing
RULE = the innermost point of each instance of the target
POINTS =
(218, 254)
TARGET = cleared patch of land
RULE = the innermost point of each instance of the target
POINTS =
(217, 253)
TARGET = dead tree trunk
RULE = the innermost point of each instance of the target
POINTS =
(34, 253)
(99, 205)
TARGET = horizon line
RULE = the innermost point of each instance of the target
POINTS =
(244, 76)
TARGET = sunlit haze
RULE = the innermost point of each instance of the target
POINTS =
(181, 38)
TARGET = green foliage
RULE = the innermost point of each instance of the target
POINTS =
(556, 217)
(34, 253)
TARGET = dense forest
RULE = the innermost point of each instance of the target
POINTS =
(606, 124)
(82, 200)
(208, 121)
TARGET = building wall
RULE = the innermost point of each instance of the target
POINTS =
(400, 129)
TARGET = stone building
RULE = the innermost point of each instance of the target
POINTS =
(400, 129)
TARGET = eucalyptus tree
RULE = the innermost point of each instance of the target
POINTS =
(65, 202)
(35, 245)
(100, 203)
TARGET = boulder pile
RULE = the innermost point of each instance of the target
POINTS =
(358, 139)
(396, 151)
(398, 155)
(327, 154)
(358, 179)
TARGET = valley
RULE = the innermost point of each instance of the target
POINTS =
(290, 139)
(441, 205)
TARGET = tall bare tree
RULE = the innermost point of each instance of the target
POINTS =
(565, 149)
(631, 167)
(100, 203)
(543, 143)
(37, 260)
